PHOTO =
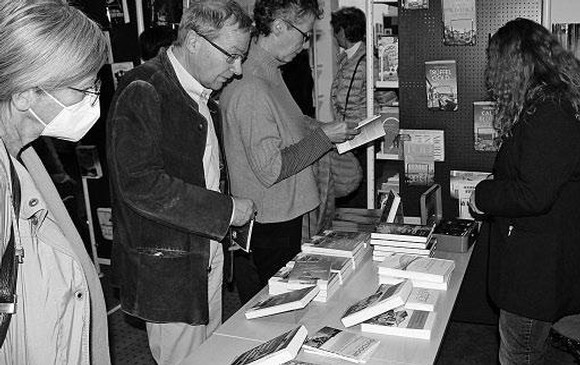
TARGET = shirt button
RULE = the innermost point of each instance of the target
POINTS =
(79, 295)
(32, 202)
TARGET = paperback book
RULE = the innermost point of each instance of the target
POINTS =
(402, 322)
(403, 232)
(416, 267)
(275, 351)
(422, 299)
(388, 47)
(441, 85)
(332, 342)
(387, 279)
(337, 243)
(390, 207)
(485, 136)
(242, 235)
(370, 129)
(308, 273)
(461, 186)
(419, 163)
(459, 22)
(285, 302)
(386, 297)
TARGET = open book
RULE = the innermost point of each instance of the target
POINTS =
(370, 129)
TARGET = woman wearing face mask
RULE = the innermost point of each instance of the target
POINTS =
(50, 57)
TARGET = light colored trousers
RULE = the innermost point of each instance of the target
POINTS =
(170, 343)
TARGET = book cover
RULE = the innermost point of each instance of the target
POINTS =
(441, 85)
(386, 297)
(431, 206)
(338, 243)
(391, 148)
(416, 267)
(370, 129)
(422, 299)
(275, 351)
(485, 136)
(403, 232)
(459, 22)
(242, 236)
(419, 163)
(388, 47)
(402, 322)
(308, 273)
(390, 206)
(387, 279)
(343, 266)
(415, 4)
(461, 185)
(436, 137)
(285, 302)
(333, 342)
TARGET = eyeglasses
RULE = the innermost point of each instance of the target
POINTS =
(93, 91)
(231, 57)
(305, 36)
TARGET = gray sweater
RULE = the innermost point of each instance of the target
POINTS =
(270, 145)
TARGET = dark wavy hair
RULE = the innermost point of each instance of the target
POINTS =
(526, 65)
(352, 20)
(266, 11)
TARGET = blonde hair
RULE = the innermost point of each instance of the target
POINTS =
(48, 44)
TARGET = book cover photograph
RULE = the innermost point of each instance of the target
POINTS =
(388, 47)
(416, 267)
(459, 22)
(275, 351)
(332, 342)
(419, 163)
(403, 232)
(441, 85)
(402, 322)
(485, 136)
(285, 302)
(308, 273)
(461, 185)
(415, 4)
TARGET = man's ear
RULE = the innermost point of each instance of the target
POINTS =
(23, 100)
(278, 26)
(192, 41)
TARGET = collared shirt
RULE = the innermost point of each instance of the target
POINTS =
(211, 160)
(352, 50)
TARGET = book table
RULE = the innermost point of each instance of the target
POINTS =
(239, 334)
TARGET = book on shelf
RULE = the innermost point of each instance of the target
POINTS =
(441, 85)
(391, 280)
(402, 322)
(388, 49)
(415, 4)
(436, 137)
(416, 267)
(242, 235)
(391, 148)
(308, 273)
(273, 304)
(386, 297)
(485, 136)
(403, 232)
(275, 351)
(332, 342)
(369, 130)
(422, 299)
(459, 22)
(337, 243)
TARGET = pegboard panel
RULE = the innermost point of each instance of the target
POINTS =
(420, 40)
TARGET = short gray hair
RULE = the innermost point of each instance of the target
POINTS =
(48, 44)
(207, 17)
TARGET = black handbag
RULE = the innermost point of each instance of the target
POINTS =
(11, 258)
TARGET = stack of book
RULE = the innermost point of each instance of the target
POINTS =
(412, 239)
(343, 266)
(424, 272)
(352, 245)
(356, 219)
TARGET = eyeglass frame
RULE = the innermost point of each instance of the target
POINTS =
(93, 91)
(231, 57)
(305, 36)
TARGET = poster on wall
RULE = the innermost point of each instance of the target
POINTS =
(441, 85)
(459, 22)
(415, 4)
(485, 136)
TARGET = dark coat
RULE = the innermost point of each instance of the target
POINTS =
(163, 216)
(534, 208)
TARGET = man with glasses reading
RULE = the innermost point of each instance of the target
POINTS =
(163, 147)
(270, 145)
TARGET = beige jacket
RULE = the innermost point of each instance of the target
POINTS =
(60, 315)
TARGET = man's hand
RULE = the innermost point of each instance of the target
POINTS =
(244, 210)
(340, 131)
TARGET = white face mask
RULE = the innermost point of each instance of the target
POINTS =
(73, 122)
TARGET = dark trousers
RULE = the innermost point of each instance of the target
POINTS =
(272, 246)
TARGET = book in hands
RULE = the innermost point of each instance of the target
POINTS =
(370, 129)
(275, 351)
(385, 298)
(402, 322)
(243, 235)
(284, 302)
(403, 232)
(416, 267)
(332, 342)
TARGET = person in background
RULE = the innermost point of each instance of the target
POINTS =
(155, 38)
(348, 96)
(271, 145)
(50, 57)
(531, 203)
(165, 164)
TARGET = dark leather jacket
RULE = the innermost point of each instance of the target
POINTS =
(163, 216)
